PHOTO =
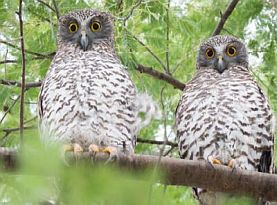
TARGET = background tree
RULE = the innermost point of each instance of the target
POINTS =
(162, 35)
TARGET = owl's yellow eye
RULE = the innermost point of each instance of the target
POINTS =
(73, 27)
(210, 53)
(231, 51)
(95, 26)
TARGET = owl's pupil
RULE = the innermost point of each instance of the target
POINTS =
(210, 53)
(231, 51)
(73, 28)
(95, 26)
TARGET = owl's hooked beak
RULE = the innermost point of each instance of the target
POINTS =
(220, 64)
(84, 40)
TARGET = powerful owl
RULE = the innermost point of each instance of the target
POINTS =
(87, 100)
(223, 116)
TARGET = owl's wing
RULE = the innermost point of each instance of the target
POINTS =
(266, 163)
(40, 99)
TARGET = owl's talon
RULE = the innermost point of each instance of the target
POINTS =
(93, 149)
(113, 154)
(77, 149)
(212, 160)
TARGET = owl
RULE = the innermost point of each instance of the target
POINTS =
(223, 116)
(87, 100)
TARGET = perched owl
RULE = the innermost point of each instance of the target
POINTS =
(223, 116)
(87, 99)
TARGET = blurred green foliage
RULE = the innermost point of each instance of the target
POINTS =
(187, 23)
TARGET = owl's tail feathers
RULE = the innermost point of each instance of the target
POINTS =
(147, 110)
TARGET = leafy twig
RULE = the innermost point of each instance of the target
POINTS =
(225, 16)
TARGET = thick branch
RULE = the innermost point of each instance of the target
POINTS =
(161, 76)
(225, 16)
(191, 173)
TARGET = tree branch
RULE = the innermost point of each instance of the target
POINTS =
(225, 16)
(21, 117)
(47, 5)
(148, 49)
(147, 141)
(161, 76)
(18, 84)
(57, 12)
(192, 173)
(49, 55)
(131, 11)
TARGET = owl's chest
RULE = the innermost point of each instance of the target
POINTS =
(84, 87)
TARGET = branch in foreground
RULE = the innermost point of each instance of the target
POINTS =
(188, 173)
(225, 16)
(161, 76)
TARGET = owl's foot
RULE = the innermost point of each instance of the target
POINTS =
(212, 160)
(75, 148)
(93, 149)
(113, 154)
(112, 151)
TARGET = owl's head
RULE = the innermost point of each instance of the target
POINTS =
(86, 27)
(221, 53)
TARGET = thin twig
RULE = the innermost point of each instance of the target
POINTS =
(21, 123)
(47, 5)
(148, 49)
(225, 16)
(131, 11)
(167, 38)
(161, 76)
(49, 55)
(56, 9)
(156, 142)
(18, 84)
(8, 61)
(9, 109)
(15, 129)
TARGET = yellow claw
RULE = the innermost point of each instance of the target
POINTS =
(77, 148)
(231, 163)
(68, 148)
(213, 160)
(93, 148)
(109, 150)
(216, 161)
